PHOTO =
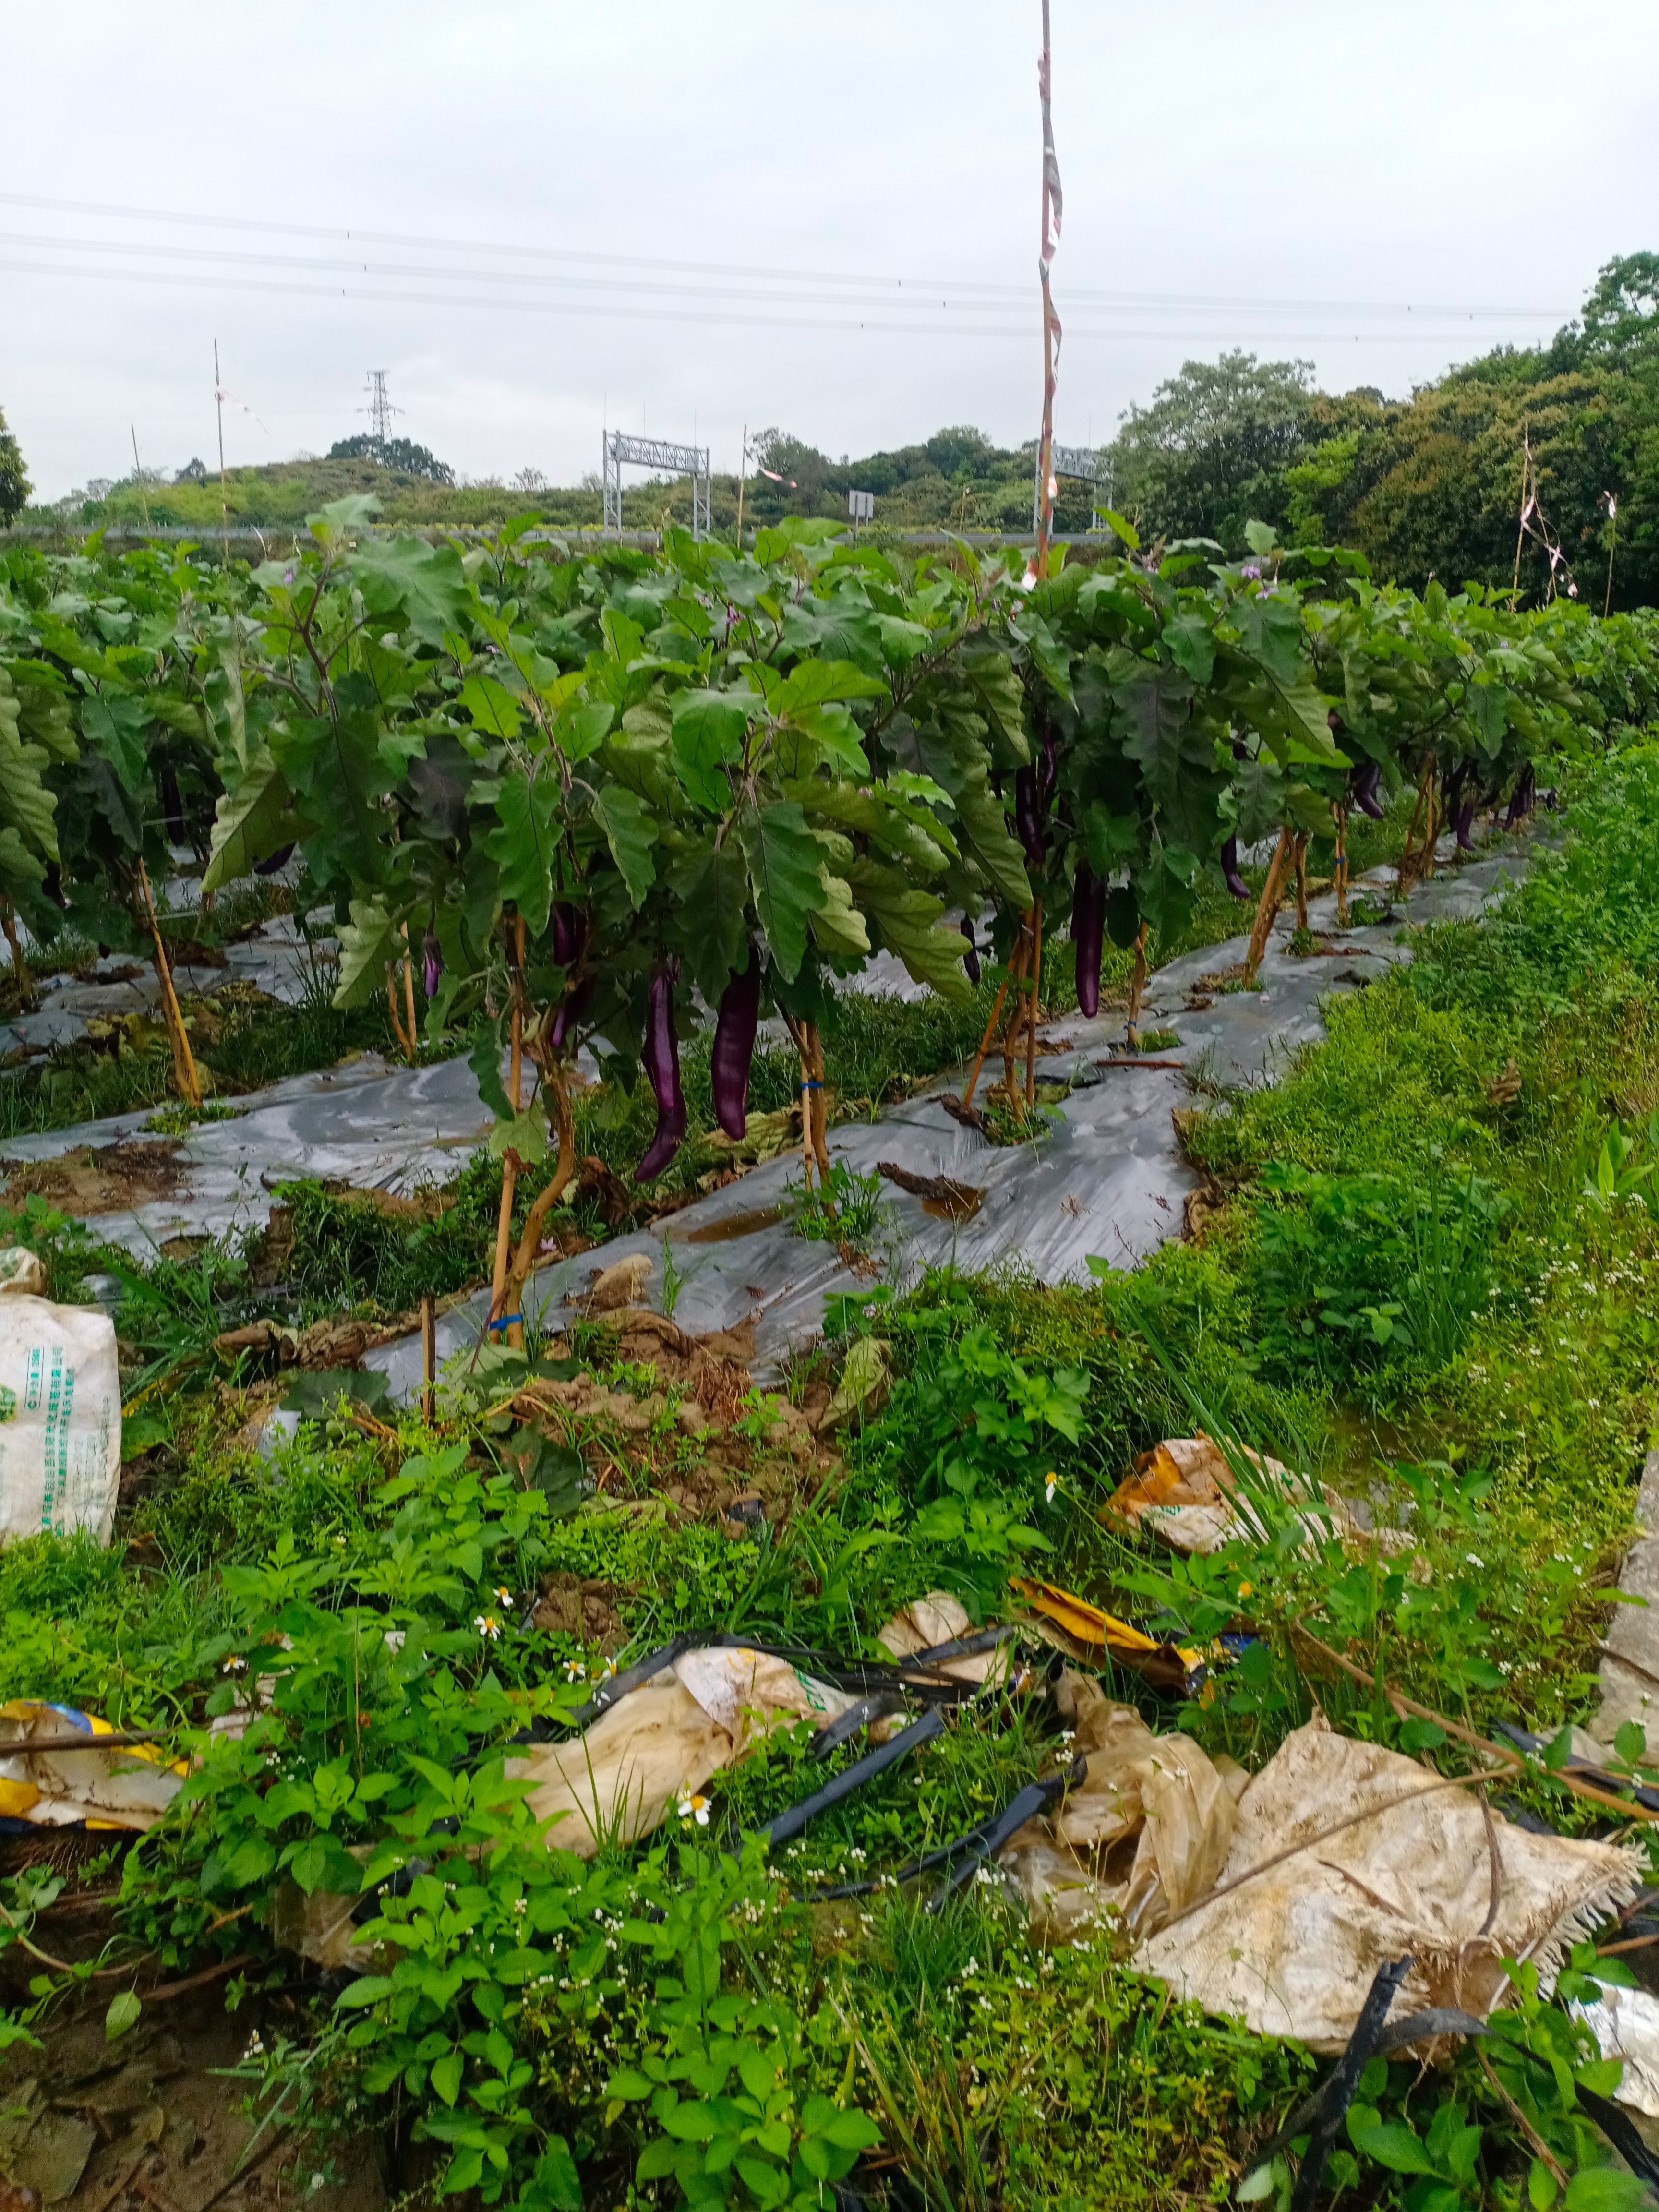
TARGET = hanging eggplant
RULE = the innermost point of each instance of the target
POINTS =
(1361, 790)
(1088, 931)
(661, 1060)
(1028, 815)
(173, 807)
(434, 960)
(1521, 799)
(1235, 882)
(970, 959)
(734, 1047)
(273, 861)
(569, 940)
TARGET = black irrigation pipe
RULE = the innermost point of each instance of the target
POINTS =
(795, 1818)
(979, 1843)
(1524, 1740)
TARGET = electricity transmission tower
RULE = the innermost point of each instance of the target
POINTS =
(380, 410)
(660, 453)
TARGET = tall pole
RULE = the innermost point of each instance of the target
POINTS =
(143, 504)
(1612, 521)
(742, 472)
(1047, 242)
(224, 497)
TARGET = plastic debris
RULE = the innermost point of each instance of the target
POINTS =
(652, 1752)
(22, 1272)
(1625, 2024)
(1143, 1835)
(1187, 1492)
(1344, 1854)
(865, 1379)
(60, 1419)
(1081, 1630)
(103, 1786)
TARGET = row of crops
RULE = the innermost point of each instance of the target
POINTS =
(578, 789)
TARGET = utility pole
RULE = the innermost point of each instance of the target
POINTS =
(139, 476)
(1048, 244)
(224, 499)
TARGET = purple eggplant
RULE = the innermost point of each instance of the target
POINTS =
(273, 861)
(970, 959)
(1464, 823)
(661, 1058)
(1361, 790)
(1028, 815)
(1235, 882)
(1521, 799)
(434, 960)
(1050, 773)
(172, 808)
(1088, 928)
(568, 932)
(734, 1048)
(573, 1009)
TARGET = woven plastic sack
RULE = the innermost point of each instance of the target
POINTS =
(1345, 1856)
(60, 1419)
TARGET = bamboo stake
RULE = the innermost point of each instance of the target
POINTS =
(428, 1359)
(19, 965)
(1401, 876)
(1016, 969)
(392, 1015)
(820, 1103)
(1031, 1015)
(1137, 985)
(1341, 815)
(408, 997)
(184, 1062)
(1271, 891)
(509, 1165)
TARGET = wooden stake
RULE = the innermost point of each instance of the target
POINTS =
(183, 1062)
(19, 965)
(392, 1015)
(1401, 875)
(1340, 814)
(509, 1165)
(428, 1359)
(1137, 985)
(409, 998)
(820, 1103)
(1016, 969)
(1271, 891)
(1031, 1015)
(1300, 857)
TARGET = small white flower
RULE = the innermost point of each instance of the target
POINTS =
(1474, 1559)
(693, 1806)
(505, 1596)
(487, 1625)
(574, 1671)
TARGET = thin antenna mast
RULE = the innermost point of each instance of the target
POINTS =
(143, 502)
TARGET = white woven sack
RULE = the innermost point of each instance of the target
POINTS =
(60, 1419)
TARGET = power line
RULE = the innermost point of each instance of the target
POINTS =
(888, 288)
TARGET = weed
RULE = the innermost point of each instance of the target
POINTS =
(845, 1209)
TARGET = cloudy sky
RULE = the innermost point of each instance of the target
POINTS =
(540, 218)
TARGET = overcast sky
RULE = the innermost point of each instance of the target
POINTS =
(823, 217)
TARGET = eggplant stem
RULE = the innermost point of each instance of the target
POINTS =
(1299, 855)
(558, 1096)
(1403, 879)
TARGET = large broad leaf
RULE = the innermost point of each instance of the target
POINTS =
(710, 728)
(522, 843)
(114, 723)
(837, 926)
(1157, 705)
(985, 835)
(909, 920)
(1191, 644)
(493, 707)
(630, 832)
(368, 942)
(902, 641)
(27, 803)
(1001, 694)
(814, 682)
(20, 871)
(426, 584)
(1271, 629)
(785, 867)
(712, 886)
(249, 823)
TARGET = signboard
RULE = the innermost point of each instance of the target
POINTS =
(861, 506)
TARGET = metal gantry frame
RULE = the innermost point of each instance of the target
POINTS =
(1083, 464)
(617, 449)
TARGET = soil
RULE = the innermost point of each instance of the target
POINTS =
(101, 1179)
(570, 1606)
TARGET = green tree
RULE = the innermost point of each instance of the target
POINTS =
(16, 489)
(1209, 454)
(402, 455)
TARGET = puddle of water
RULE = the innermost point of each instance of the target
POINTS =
(955, 1209)
(734, 1226)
